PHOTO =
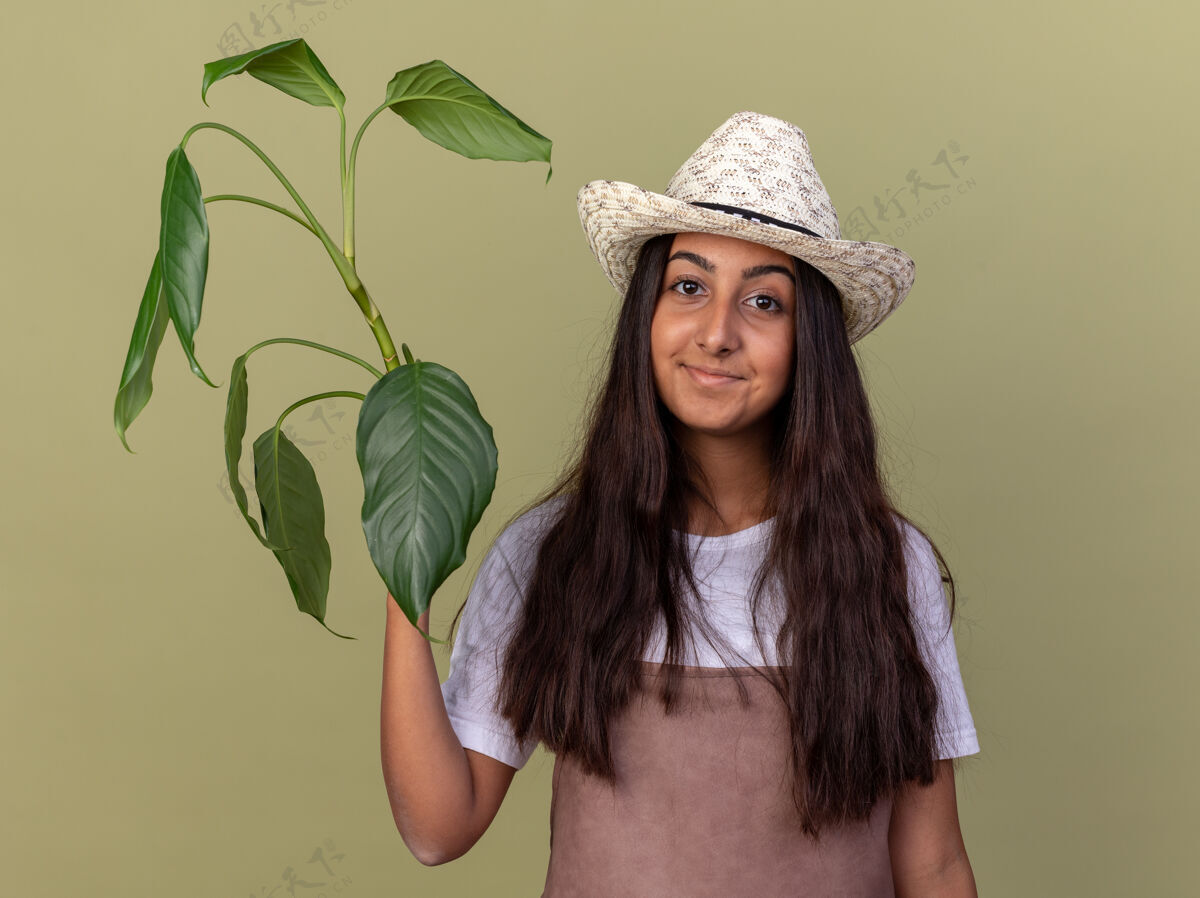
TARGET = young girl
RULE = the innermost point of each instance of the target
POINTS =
(737, 648)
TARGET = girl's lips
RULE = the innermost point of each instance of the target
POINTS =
(709, 380)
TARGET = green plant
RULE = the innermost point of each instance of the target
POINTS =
(426, 454)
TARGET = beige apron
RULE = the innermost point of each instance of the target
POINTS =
(702, 806)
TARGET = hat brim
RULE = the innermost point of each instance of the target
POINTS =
(618, 218)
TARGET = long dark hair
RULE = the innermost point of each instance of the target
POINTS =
(862, 703)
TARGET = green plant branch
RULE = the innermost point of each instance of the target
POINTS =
(336, 254)
(307, 399)
(347, 214)
(321, 346)
(365, 304)
(250, 199)
(445, 432)
(348, 189)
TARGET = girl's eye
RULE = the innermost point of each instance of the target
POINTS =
(679, 281)
(777, 308)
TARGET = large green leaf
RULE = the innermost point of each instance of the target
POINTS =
(451, 111)
(148, 329)
(235, 429)
(289, 66)
(428, 461)
(293, 515)
(183, 252)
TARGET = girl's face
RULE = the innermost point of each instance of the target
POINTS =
(728, 306)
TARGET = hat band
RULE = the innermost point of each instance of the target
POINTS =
(759, 217)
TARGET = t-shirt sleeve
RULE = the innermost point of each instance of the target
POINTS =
(955, 727)
(471, 690)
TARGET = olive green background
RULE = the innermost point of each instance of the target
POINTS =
(173, 725)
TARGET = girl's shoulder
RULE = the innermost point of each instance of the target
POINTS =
(925, 584)
(505, 571)
(918, 550)
(519, 541)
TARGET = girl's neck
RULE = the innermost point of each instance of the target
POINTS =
(736, 474)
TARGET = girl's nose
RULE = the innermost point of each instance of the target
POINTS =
(717, 328)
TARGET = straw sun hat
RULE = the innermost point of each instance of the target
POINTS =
(754, 179)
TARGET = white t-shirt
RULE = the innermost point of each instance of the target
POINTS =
(724, 567)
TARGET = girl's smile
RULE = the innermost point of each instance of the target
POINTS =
(710, 378)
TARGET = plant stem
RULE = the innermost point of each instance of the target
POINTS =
(348, 184)
(320, 346)
(250, 199)
(375, 320)
(307, 399)
(347, 213)
(344, 267)
(343, 264)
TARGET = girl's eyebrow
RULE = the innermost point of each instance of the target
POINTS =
(752, 272)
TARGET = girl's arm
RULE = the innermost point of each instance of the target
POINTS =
(929, 858)
(443, 797)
